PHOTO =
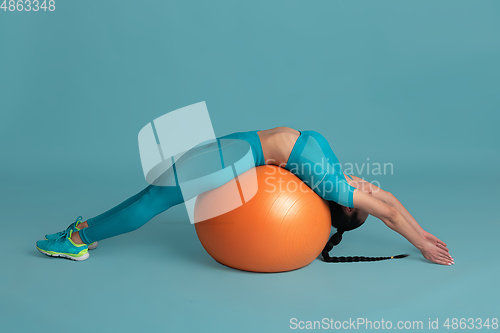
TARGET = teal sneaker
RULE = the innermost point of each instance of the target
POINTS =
(73, 226)
(64, 247)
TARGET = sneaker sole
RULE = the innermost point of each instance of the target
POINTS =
(93, 245)
(62, 255)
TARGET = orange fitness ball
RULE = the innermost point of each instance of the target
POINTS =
(283, 227)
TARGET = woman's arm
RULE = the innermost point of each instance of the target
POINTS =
(391, 200)
(386, 197)
(397, 222)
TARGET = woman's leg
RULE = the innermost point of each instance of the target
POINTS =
(152, 202)
(119, 207)
(207, 162)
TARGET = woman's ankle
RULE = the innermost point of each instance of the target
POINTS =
(83, 225)
(75, 237)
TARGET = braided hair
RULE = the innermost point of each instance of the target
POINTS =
(343, 222)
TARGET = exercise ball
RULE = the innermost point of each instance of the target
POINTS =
(283, 227)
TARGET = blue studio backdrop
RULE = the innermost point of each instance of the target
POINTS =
(412, 84)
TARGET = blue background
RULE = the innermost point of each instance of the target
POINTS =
(412, 83)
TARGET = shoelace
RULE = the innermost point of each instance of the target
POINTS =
(67, 232)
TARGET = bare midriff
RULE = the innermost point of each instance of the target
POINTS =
(277, 144)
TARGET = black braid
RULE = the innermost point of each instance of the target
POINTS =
(336, 238)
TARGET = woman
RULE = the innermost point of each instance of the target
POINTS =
(351, 199)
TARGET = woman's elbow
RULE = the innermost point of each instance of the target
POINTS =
(388, 197)
(390, 215)
(391, 196)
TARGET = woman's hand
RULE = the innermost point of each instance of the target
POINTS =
(433, 239)
(434, 251)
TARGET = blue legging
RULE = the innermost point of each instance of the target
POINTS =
(311, 159)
